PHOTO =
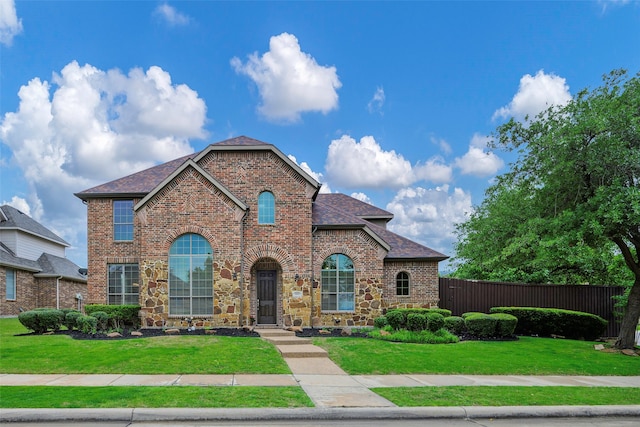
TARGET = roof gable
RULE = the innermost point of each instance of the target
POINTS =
(190, 164)
(12, 219)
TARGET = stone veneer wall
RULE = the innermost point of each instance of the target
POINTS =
(367, 257)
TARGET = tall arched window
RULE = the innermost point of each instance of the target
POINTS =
(338, 283)
(190, 276)
(402, 284)
(266, 208)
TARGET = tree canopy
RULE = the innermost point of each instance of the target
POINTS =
(568, 210)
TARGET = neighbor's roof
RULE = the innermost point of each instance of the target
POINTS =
(334, 211)
(141, 183)
(13, 219)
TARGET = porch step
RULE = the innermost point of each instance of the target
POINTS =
(288, 340)
(301, 350)
(271, 333)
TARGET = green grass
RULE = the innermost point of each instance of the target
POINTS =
(509, 396)
(527, 356)
(202, 354)
(152, 397)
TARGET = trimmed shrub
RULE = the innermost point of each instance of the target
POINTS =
(71, 318)
(435, 321)
(481, 325)
(380, 322)
(454, 324)
(396, 319)
(470, 313)
(102, 320)
(120, 315)
(553, 321)
(42, 320)
(416, 322)
(443, 311)
(505, 324)
(87, 324)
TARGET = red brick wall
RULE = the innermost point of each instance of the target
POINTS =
(423, 284)
(33, 292)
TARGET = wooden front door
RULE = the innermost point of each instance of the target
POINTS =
(267, 297)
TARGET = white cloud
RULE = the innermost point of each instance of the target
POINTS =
(362, 197)
(10, 25)
(365, 164)
(89, 126)
(290, 81)
(535, 94)
(315, 175)
(429, 215)
(19, 203)
(377, 102)
(171, 16)
(478, 162)
(442, 144)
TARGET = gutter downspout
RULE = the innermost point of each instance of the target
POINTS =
(58, 292)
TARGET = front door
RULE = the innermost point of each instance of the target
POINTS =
(267, 297)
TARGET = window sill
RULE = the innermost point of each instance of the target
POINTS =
(193, 316)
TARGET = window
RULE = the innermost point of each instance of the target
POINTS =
(123, 220)
(123, 284)
(11, 284)
(402, 284)
(191, 276)
(338, 283)
(266, 208)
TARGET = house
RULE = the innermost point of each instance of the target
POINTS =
(239, 234)
(34, 272)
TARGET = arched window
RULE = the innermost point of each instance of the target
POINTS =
(338, 283)
(402, 284)
(266, 208)
(190, 276)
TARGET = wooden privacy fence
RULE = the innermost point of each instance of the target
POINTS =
(461, 296)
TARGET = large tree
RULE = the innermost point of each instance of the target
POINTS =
(568, 211)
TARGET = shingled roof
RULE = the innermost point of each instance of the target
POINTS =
(12, 218)
(335, 211)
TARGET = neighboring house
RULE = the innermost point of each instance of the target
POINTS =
(34, 272)
(238, 233)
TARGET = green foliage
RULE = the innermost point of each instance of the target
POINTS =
(470, 313)
(70, 319)
(416, 322)
(552, 321)
(435, 321)
(481, 325)
(454, 324)
(419, 337)
(397, 319)
(120, 315)
(505, 324)
(102, 320)
(87, 324)
(380, 322)
(42, 320)
(567, 211)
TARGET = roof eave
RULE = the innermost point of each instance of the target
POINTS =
(59, 276)
(86, 196)
(414, 259)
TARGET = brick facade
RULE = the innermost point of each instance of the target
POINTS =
(217, 197)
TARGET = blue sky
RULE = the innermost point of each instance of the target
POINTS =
(392, 102)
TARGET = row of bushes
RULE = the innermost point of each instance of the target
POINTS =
(97, 318)
(413, 319)
(546, 322)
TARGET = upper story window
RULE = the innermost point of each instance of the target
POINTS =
(123, 284)
(402, 284)
(191, 276)
(10, 285)
(338, 283)
(266, 208)
(123, 220)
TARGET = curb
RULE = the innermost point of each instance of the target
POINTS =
(300, 414)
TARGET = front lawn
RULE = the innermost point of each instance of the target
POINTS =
(526, 356)
(203, 354)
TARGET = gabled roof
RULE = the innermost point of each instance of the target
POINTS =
(46, 266)
(141, 183)
(356, 207)
(12, 219)
(333, 211)
(190, 163)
